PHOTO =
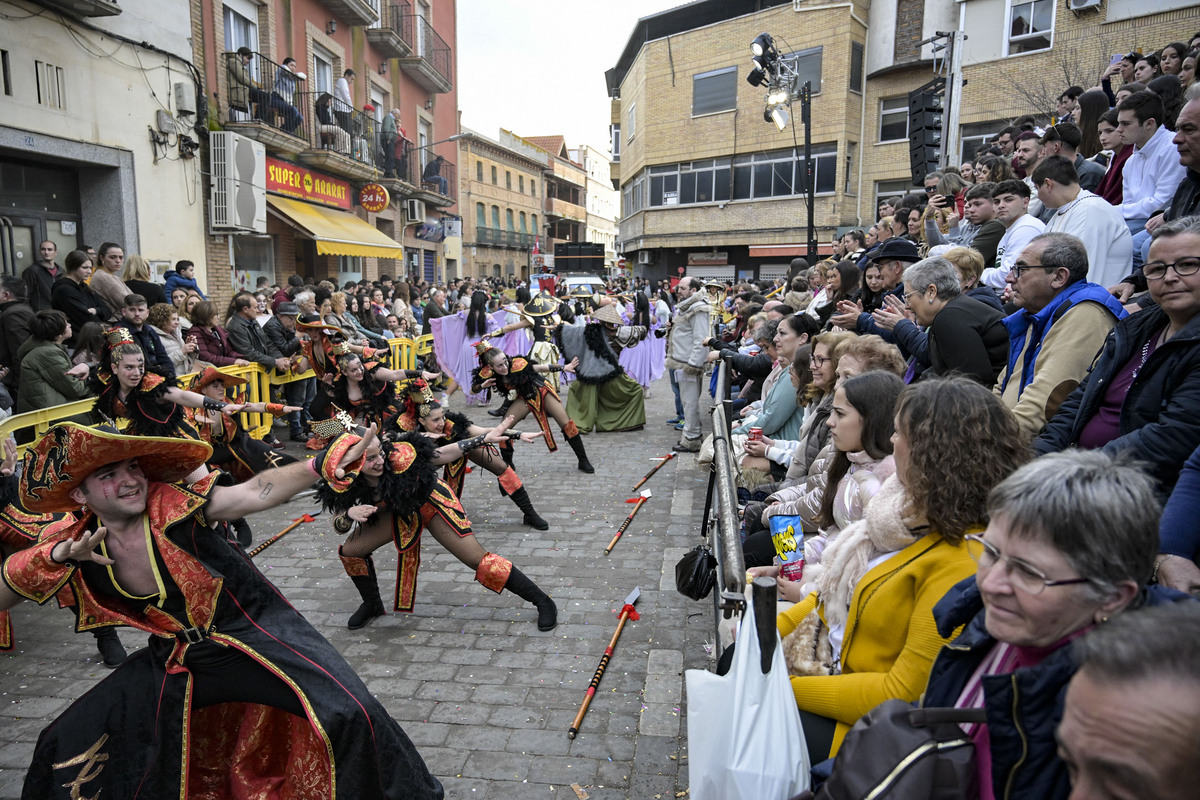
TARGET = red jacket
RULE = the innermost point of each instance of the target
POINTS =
(214, 346)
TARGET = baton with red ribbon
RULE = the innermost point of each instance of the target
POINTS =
(641, 501)
(296, 523)
(627, 612)
(653, 470)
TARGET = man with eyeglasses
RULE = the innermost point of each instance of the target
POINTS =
(1062, 321)
(892, 257)
(1142, 395)
(1088, 216)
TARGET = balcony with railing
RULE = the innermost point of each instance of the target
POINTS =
(392, 35)
(438, 188)
(355, 12)
(83, 8)
(260, 103)
(340, 139)
(497, 237)
(557, 207)
(431, 63)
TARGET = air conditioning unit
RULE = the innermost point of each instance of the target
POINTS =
(238, 197)
(414, 211)
(1080, 5)
(645, 257)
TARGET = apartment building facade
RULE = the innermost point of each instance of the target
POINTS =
(82, 83)
(502, 200)
(602, 202)
(327, 160)
(708, 187)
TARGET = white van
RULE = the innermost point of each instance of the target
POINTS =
(592, 282)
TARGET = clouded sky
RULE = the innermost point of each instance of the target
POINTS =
(536, 67)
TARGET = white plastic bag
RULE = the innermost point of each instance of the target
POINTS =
(744, 736)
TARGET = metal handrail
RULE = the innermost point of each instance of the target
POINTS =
(273, 98)
(721, 508)
(430, 46)
(342, 129)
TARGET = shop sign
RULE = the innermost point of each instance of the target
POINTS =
(374, 198)
(305, 184)
(711, 259)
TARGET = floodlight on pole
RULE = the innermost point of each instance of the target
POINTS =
(780, 116)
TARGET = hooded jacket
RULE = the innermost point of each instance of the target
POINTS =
(691, 328)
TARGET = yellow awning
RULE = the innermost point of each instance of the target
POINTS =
(337, 233)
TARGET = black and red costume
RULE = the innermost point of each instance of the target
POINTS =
(145, 411)
(237, 694)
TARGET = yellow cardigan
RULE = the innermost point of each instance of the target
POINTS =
(891, 639)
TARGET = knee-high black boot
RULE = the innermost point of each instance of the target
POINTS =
(519, 584)
(510, 484)
(110, 647)
(500, 411)
(521, 498)
(362, 573)
(576, 443)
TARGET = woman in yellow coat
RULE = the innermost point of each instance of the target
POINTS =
(867, 627)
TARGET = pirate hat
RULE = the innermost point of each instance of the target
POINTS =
(609, 314)
(211, 374)
(59, 462)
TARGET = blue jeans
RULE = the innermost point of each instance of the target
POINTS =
(675, 391)
(1141, 248)
(1136, 225)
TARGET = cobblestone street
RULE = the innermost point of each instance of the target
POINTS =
(486, 697)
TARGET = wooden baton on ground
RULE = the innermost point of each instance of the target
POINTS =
(296, 523)
(653, 470)
(627, 611)
(621, 530)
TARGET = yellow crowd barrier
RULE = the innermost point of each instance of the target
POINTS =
(259, 380)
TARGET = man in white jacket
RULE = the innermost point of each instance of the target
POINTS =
(1011, 199)
(1090, 217)
(1153, 172)
(687, 352)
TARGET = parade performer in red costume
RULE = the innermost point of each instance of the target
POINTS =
(237, 695)
(534, 395)
(395, 495)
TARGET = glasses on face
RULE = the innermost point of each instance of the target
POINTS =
(1026, 577)
(818, 361)
(1020, 267)
(1157, 270)
(910, 294)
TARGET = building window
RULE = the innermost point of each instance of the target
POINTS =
(524, 229)
(494, 174)
(508, 180)
(714, 91)
(808, 68)
(322, 69)
(533, 187)
(856, 67)
(851, 149)
(480, 216)
(977, 136)
(1031, 26)
(479, 171)
(886, 189)
(6, 72)
(779, 173)
(496, 217)
(631, 122)
(615, 131)
(51, 85)
(508, 218)
(521, 184)
(893, 119)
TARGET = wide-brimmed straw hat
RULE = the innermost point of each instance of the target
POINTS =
(59, 462)
(609, 314)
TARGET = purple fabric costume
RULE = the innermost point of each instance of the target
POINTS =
(455, 349)
(644, 362)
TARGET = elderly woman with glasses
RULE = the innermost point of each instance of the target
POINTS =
(965, 336)
(1070, 543)
(1142, 395)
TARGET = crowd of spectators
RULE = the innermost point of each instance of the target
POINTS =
(1002, 393)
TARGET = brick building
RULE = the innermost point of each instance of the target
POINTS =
(501, 188)
(708, 187)
(319, 152)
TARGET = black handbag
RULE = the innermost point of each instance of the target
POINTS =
(900, 751)
(696, 572)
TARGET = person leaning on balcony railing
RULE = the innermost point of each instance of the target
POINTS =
(283, 95)
(389, 133)
(242, 89)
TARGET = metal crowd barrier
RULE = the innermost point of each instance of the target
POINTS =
(720, 524)
(259, 380)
